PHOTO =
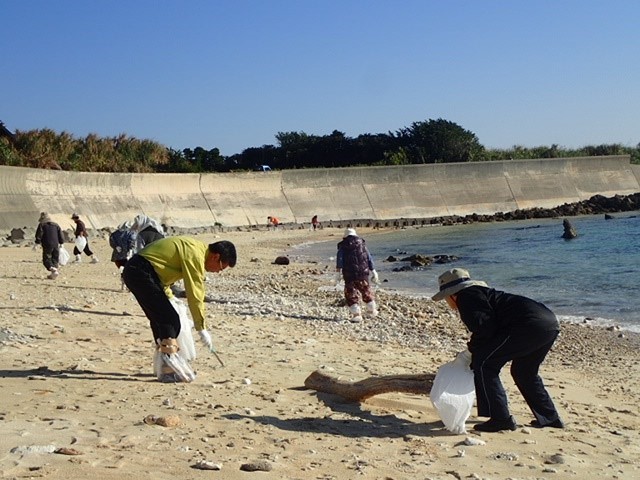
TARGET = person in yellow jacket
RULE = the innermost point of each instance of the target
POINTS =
(149, 275)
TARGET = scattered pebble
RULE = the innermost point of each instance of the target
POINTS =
(204, 465)
(257, 466)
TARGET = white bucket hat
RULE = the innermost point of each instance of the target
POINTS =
(452, 281)
(350, 232)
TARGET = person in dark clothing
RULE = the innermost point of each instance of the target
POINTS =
(122, 241)
(355, 264)
(81, 234)
(504, 328)
(49, 235)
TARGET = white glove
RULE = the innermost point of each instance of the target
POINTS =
(338, 278)
(206, 339)
(35, 247)
(374, 277)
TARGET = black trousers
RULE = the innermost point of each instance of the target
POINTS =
(86, 250)
(526, 351)
(142, 280)
(50, 256)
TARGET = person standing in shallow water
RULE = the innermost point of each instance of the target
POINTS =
(504, 328)
(354, 263)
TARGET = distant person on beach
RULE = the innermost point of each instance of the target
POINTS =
(49, 235)
(504, 328)
(314, 222)
(122, 241)
(147, 231)
(354, 264)
(149, 275)
(82, 238)
(272, 222)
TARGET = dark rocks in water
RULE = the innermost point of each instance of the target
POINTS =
(391, 258)
(281, 260)
(404, 268)
(569, 231)
(597, 204)
(418, 260)
(608, 217)
(440, 259)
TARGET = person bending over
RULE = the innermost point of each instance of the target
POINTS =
(504, 328)
(149, 275)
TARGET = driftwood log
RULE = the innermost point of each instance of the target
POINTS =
(363, 389)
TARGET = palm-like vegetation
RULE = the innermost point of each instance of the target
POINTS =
(433, 141)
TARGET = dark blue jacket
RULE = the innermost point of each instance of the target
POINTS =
(354, 259)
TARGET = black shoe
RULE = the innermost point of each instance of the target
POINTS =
(555, 424)
(494, 425)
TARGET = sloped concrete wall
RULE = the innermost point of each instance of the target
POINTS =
(376, 193)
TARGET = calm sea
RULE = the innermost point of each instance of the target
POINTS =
(594, 276)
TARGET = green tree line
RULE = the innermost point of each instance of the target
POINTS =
(431, 141)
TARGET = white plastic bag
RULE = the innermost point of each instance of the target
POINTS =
(453, 392)
(185, 337)
(63, 256)
(81, 242)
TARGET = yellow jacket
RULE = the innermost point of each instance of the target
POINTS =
(181, 258)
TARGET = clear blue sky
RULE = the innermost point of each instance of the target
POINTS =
(232, 74)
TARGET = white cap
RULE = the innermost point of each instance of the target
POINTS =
(350, 232)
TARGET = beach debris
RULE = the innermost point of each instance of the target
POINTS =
(257, 466)
(555, 459)
(205, 465)
(67, 451)
(508, 456)
(472, 441)
(363, 389)
(27, 449)
(166, 421)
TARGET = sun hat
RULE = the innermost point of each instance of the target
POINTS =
(454, 280)
(350, 232)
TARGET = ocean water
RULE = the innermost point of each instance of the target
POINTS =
(595, 276)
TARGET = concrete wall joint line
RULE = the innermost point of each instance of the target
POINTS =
(202, 194)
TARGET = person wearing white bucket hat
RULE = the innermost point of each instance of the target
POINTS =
(504, 328)
(355, 264)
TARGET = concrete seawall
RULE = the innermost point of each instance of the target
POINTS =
(376, 193)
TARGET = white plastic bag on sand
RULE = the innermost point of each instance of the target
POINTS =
(453, 392)
(178, 364)
(185, 337)
(81, 242)
(63, 256)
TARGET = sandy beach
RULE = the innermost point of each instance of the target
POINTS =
(77, 382)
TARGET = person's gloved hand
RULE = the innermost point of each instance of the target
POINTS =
(206, 339)
(35, 247)
(374, 277)
(338, 278)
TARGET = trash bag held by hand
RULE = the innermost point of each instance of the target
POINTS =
(185, 337)
(63, 256)
(453, 392)
(81, 242)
